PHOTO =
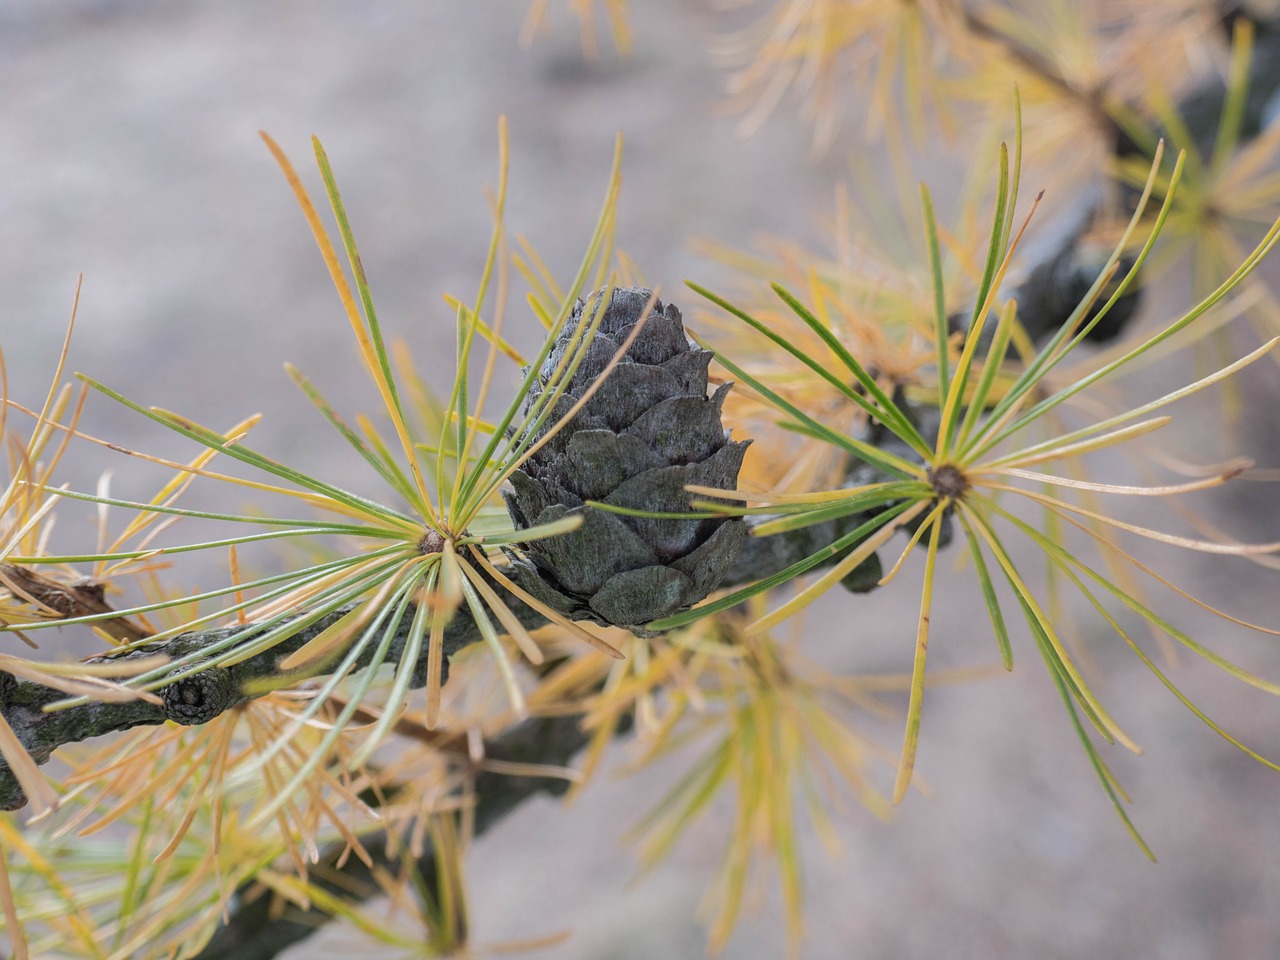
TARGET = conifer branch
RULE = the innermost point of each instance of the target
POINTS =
(253, 932)
(191, 701)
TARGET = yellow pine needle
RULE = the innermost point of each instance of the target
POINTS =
(147, 933)
(99, 690)
(1128, 557)
(210, 785)
(297, 776)
(497, 239)
(1192, 388)
(1056, 449)
(326, 644)
(375, 441)
(440, 616)
(40, 793)
(486, 331)
(949, 410)
(303, 895)
(233, 564)
(838, 572)
(570, 680)
(295, 748)
(425, 401)
(133, 750)
(925, 526)
(615, 10)
(603, 730)
(517, 631)
(505, 668)
(363, 341)
(85, 679)
(496, 244)
(17, 935)
(555, 617)
(293, 599)
(962, 248)
(135, 788)
(451, 585)
(978, 397)
(512, 769)
(71, 906)
(773, 731)
(174, 488)
(1110, 728)
(633, 681)
(21, 532)
(1230, 473)
(912, 736)
(449, 905)
(1057, 552)
(629, 271)
(47, 468)
(1186, 701)
(769, 497)
(472, 423)
(546, 315)
(1204, 546)
(309, 497)
(43, 419)
(536, 273)
(625, 688)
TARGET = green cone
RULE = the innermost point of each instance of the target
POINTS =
(649, 430)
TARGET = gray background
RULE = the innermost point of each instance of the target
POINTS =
(128, 151)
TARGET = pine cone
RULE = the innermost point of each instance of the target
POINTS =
(649, 430)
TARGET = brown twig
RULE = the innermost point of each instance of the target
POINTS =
(82, 598)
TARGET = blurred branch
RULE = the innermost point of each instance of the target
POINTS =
(253, 932)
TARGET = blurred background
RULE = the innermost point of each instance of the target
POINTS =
(129, 153)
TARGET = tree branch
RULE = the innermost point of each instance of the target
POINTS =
(253, 933)
(204, 696)
(197, 699)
